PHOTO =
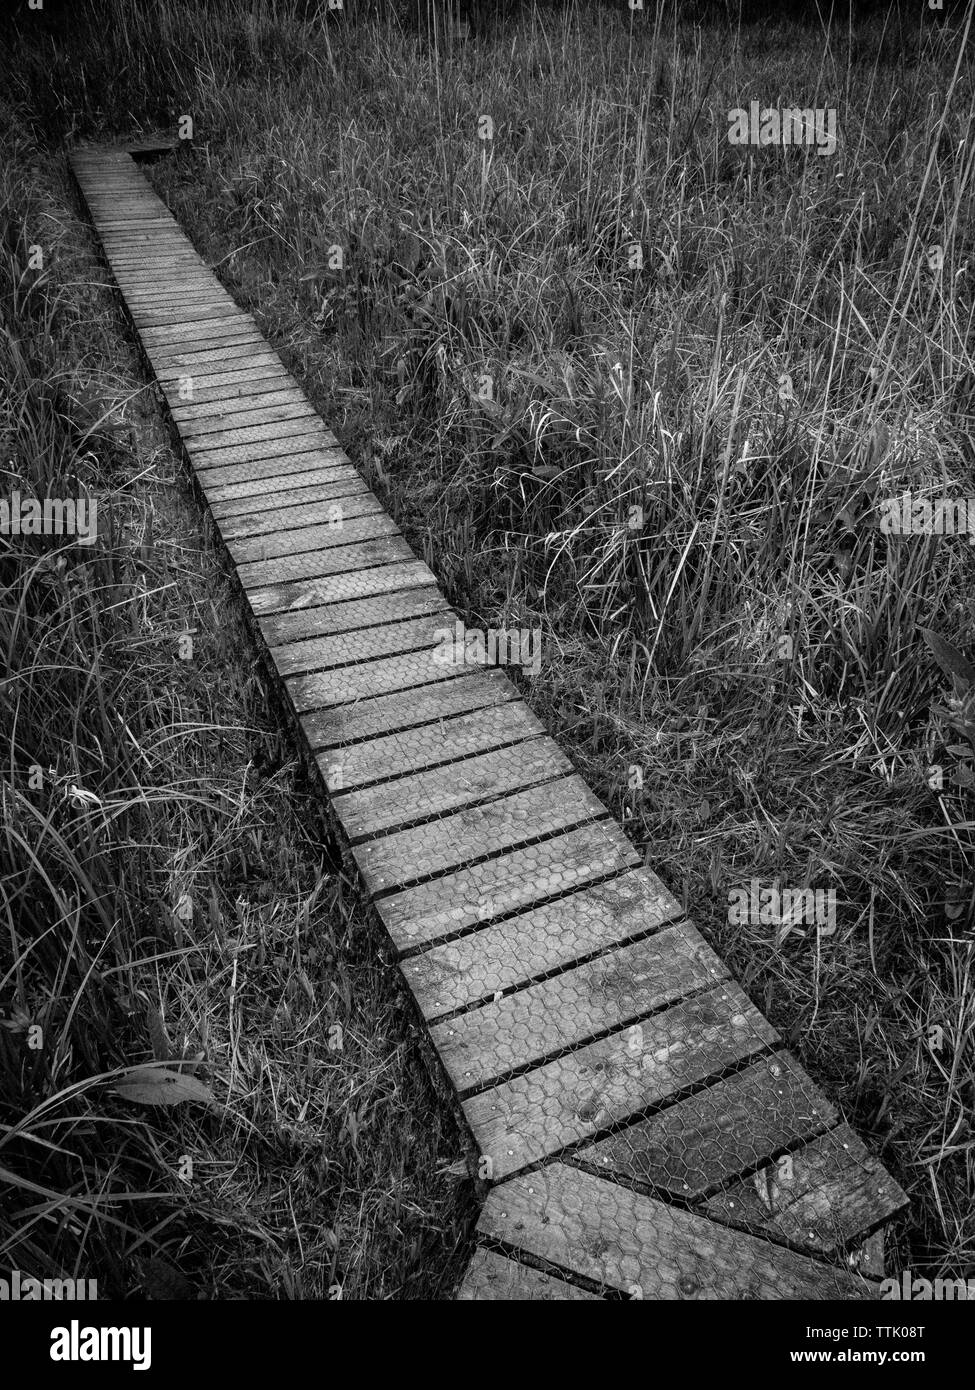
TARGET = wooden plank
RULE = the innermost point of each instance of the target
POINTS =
(342, 502)
(317, 564)
(251, 492)
(155, 253)
(286, 467)
(245, 516)
(202, 287)
(184, 315)
(165, 294)
(306, 594)
(421, 795)
(236, 408)
(230, 330)
(170, 366)
(368, 679)
(344, 648)
(302, 539)
(162, 255)
(167, 337)
(353, 615)
(177, 266)
(164, 271)
(475, 895)
(458, 973)
(606, 1082)
(162, 287)
(640, 1246)
(133, 218)
(128, 208)
(148, 220)
(223, 441)
(159, 330)
(165, 349)
(484, 1045)
(380, 714)
(241, 415)
(175, 263)
(212, 461)
(129, 216)
(210, 369)
(190, 300)
(139, 224)
(473, 833)
(822, 1196)
(491, 1276)
(413, 750)
(191, 379)
(246, 383)
(719, 1132)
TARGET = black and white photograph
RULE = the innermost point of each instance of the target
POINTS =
(487, 673)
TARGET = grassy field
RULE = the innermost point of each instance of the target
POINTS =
(534, 326)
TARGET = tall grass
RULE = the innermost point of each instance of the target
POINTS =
(785, 357)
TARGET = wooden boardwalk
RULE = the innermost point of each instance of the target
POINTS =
(643, 1132)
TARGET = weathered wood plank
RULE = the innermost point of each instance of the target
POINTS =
(604, 1083)
(175, 271)
(128, 211)
(247, 383)
(472, 896)
(349, 497)
(342, 502)
(179, 266)
(198, 362)
(284, 467)
(201, 288)
(156, 254)
(236, 408)
(209, 460)
(225, 440)
(352, 616)
(420, 795)
(459, 973)
(455, 840)
(640, 1246)
(206, 318)
(485, 1044)
(719, 1132)
(242, 498)
(166, 347)
(361, 644)
(317, 564)
(170, 338)
(413, 750)
(302, 539)
(189, 302)
(192, 295)
(368, 679)
(324, 562)
(306, 594)
(241, 416)
(821, 1196)
(381, 714)
(491, 1276)
(148, 220)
